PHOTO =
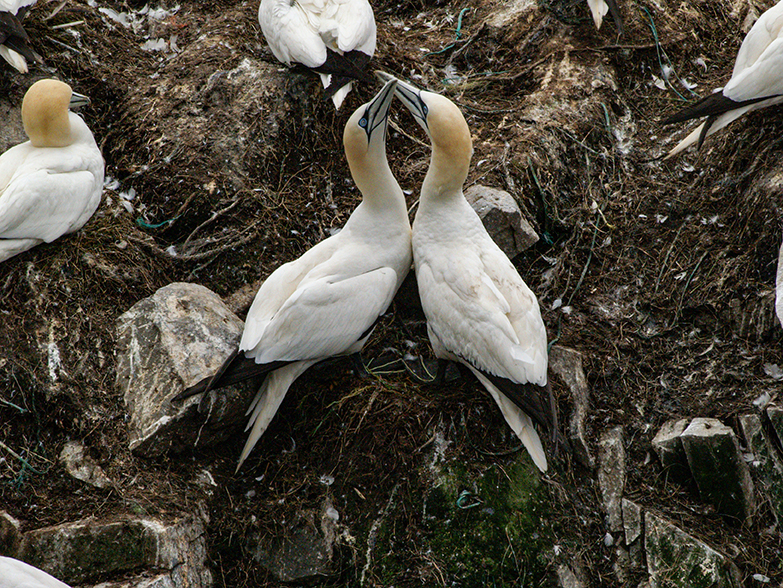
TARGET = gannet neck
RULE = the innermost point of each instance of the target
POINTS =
(45, 114)
(365, 149)
(452, 148)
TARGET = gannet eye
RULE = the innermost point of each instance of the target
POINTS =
(363, 122)
(424, 108)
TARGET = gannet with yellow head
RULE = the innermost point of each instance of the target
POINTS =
(334, 38)
(479, 310)
(51, 184)
(326, 302)
(756, 82)
(14, 42)
(18, 574)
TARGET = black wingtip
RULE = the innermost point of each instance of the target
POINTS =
(615, 12)
(347, 66)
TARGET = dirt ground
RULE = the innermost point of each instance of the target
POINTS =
(643, 266)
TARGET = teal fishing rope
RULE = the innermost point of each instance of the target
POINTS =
(145, 225)
(456, 36)
(658, 50)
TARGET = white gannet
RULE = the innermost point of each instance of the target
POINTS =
(756, 82)
(779, 286)
(599, 8)
(335, 38)
(18, 574)
(51, 184)
(479, 311)
(14, 47)
(326, 302)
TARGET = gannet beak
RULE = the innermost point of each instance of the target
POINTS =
(377, 111)
(78, 100)
(410, 96)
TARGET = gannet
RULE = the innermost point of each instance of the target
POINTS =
(335, 38)
(51, 184)
(599, 8)
(479, 311)
(18, 574)
(779, 286)
(326, 302)
(756, 82)
(14, 47)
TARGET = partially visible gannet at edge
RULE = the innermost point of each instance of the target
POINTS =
(334, 38)
(479, 310)
(599, 9)
(18, 574)
(779, 287)
(51, 184)
(756, 82)
(326, 302)
(14, 47)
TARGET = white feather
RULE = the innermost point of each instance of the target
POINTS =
(18, 574)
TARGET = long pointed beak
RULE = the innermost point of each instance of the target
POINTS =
(410, 96)
(78, 100)
(377, 112)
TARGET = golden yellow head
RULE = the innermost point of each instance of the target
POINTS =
(447, 128)
(45, 113)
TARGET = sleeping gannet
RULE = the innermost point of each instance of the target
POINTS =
(756, 82)
(479, 311)
(14, 41)
(51, 184)
(335, 38)
(599, 8)
(326, 302)
(18, 574)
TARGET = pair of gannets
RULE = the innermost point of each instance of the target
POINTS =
(327, 302)
(51, 184)
(479, 311)
(335, 38)
(18, 574)
(756, 82)
(14, 47)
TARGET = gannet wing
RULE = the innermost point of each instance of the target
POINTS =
(355, 27)
(45, 205)
(763, 32)
(326, 316)
(760, 80)
(290, 35)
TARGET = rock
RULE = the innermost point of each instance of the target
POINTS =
(10, 533)
(754, 318)
(165, 343)
(676, 559)
(305, 552)
(86, 549)
(567, 365)
(81, 466)
(632, 521)
(566, 578)
(766, 465)
(718, 467)
(502, 218)
(775, 415)
(11, 131)
(668, 446)
(611, 476)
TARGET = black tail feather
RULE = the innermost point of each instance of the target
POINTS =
(713, 106)
(536, 401)
(346, 67)
(615, 12)
(237, 368)
(13, 35)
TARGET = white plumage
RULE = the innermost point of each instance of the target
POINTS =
(326, 302)
(599, 9)
(18, 574)
(779, 286)
(51, 184)
(479, 310)
(336, 38)
(13, 38)
(756, 82)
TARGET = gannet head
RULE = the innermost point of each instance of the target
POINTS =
(448, 131)
(365, 133)
(45, 113)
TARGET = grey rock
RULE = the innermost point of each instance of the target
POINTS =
(775, 415)
(305, 552)
(79, 551)
(567, 365)
(502, 218)
(10, 533)
(718, 467)
(668, 447)
(766, 464)
(754, 318)
(81, 466)
(166, 343)
(566, 578)
(632, 521)
(676, 559)
(611, 476)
